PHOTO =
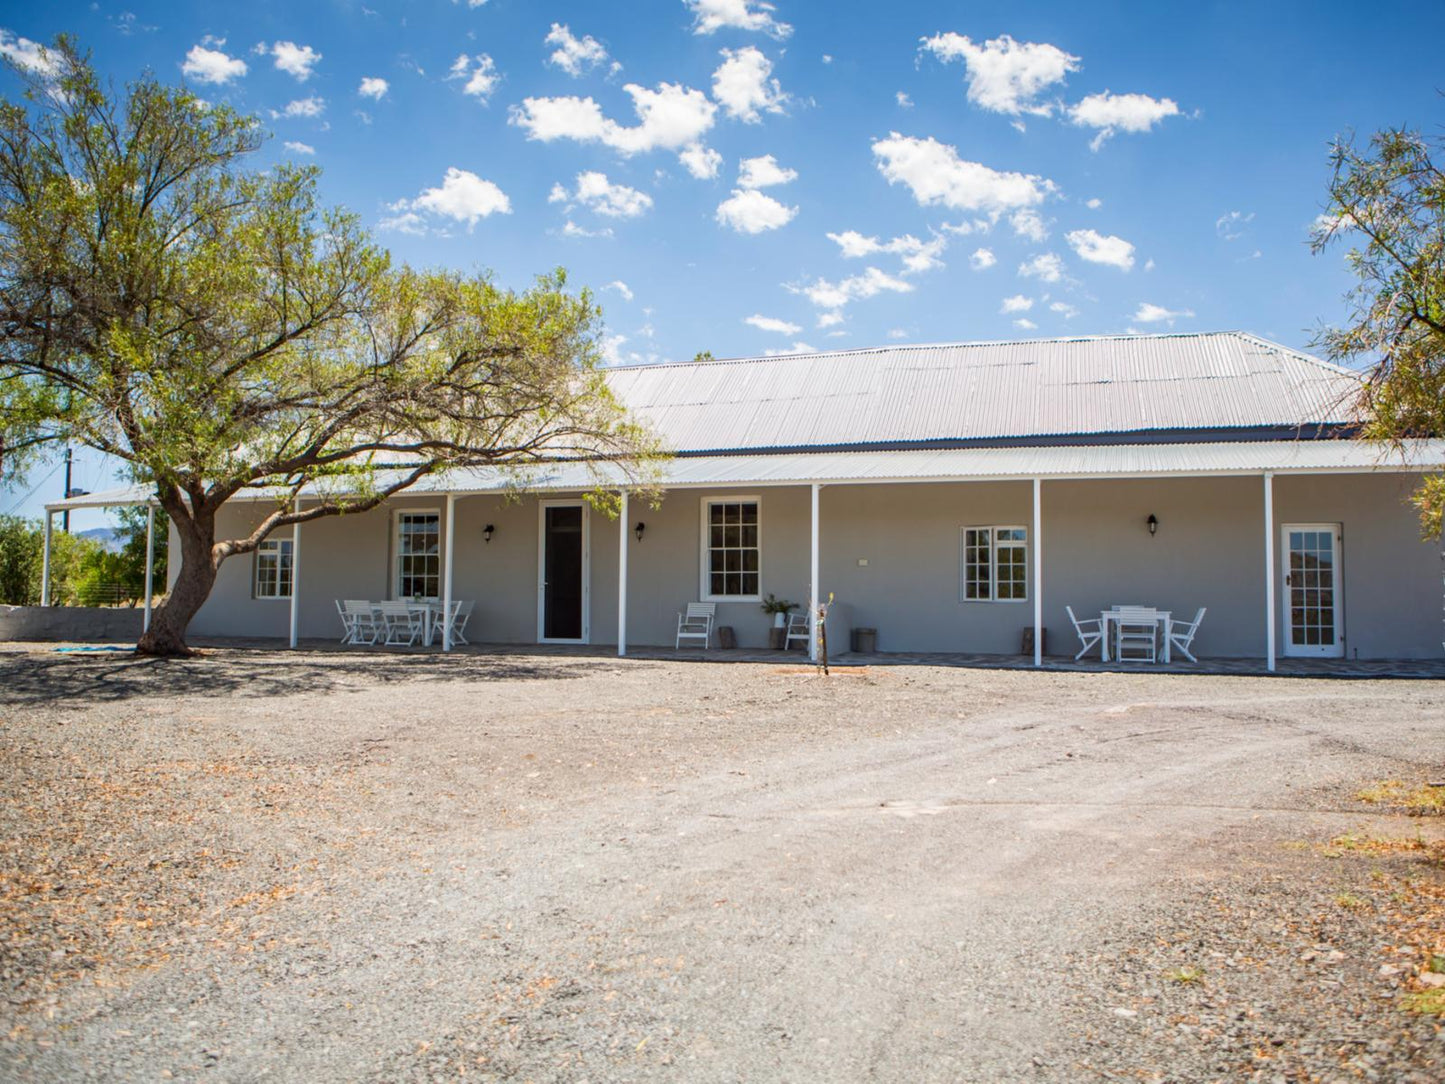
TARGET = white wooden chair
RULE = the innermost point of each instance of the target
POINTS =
(1181, 635)
(358, 620)
(696, 623)
(797, 630)
(460, 615)
(1090, 632)
(402, 624)
(1135, 632)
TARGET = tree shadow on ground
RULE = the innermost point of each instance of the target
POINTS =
(52, 677)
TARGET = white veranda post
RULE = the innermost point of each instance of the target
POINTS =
(813, 582)
(45, 560)
(295, 574)
(1269, 570)
(150, 563)
(1038, 576)
(447, 572)
(622, 576)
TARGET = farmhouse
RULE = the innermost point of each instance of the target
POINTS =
(948, 496)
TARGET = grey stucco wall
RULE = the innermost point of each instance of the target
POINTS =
(1209, 551)
(81, 624)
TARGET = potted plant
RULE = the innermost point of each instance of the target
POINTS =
(779, 608)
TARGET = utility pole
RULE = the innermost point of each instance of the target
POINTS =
(65, 516)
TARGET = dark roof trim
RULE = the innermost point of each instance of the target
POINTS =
(1320, 431)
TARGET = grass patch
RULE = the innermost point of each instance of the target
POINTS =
(1349, 901)
(1185, 976)
(1417, 798)
(1427, 1002)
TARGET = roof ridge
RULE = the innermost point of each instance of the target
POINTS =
(854, 351)
(1330, 366)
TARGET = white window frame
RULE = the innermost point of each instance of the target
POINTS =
(993, 547)
(396, 554)
(266, 544)
(704, 552)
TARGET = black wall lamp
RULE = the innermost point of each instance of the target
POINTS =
(487, 532)
(639, 529)
(1153, 522)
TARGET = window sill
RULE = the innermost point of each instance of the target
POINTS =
(731, 598)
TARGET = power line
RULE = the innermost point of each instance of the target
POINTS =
(34, 489)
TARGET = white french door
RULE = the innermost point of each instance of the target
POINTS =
(1314, 610)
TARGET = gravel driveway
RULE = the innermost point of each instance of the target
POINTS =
(316, 866)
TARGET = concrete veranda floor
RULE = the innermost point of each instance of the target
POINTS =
(1314, 668)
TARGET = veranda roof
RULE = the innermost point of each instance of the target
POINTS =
(932, 465)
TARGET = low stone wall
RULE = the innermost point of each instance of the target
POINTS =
(78, 623)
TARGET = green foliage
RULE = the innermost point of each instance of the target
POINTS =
(1388, 201)
(703, 355)
(774, 605)
(19, 561)
(73, 563)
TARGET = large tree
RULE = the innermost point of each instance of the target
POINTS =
(221, 333)
(1387, 199)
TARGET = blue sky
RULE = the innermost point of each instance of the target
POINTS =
(741, 177)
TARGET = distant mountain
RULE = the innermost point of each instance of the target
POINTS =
(109, 537)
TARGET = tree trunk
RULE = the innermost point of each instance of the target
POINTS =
(197, 575)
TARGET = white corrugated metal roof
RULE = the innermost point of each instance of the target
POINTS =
(948, 464)
(973, 391)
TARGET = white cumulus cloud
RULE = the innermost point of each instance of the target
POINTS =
(1047, 267)
(1017, 303)
(1023, 323)
(373, 87)
(575, 56)
(710, 16)
(299, 148)
(295, 60)
(600, 196)
(833, 296)
(934, 173)
(1120, 112)
(621, 287)
(462, 196)
(1230, 225)
(1003, 75)
(1098, 248)
(480, 73)
(764, 172)
(1064, 309)
(211, 65)
(917, 255)
(1156, 314)
(34, 57)
(302, 107)
(672, 117)
(750, 211)
(1030, 224)
(982, 259)
(772, 323)
(742, 85)
(702, 162)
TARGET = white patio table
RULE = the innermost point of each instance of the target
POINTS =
(1108, 617)
(431, 617)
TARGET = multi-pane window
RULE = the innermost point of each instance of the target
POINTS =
(418, 555)
(273, 568)
(730, 549)
(995, 564)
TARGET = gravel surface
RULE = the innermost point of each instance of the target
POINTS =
(322, 866)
